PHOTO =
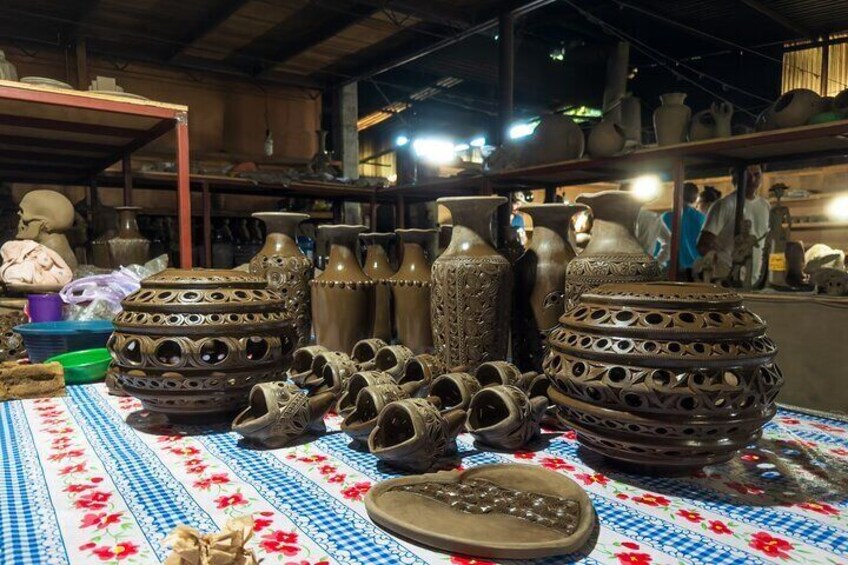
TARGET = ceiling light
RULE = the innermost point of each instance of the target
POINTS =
(646, 188)
(401, 140)
(433, 150)
(837, 210)
(520, 130)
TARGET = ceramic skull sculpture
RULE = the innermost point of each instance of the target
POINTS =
(44, 216)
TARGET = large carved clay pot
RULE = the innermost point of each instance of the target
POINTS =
(129, 247)
(378, 267)
(664, 376)
(671, 120)
(605, 140)
(556, 138)
(192, 343)
(795, 108)
(613, 254)
(342, 295)
(286, 268)
(540, 281)
(411, 291)
(471, 287)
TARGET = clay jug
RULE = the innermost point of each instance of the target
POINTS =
(471, 287)
(378, 267)
(342, 295)
(411, 291)
(540, 281)
(631, 119)
(671, 120)
(613, 254)
(129, 247)
(286, 268)
(605, 140)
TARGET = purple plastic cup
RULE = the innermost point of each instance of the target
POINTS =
(45, 307)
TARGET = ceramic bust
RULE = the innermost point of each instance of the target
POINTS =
(45, 216)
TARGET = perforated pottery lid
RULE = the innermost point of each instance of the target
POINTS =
(203, 278)
(664, 295)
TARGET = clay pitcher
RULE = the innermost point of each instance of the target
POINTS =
(286, 268)
(613, 254)
(471, 287)
(342, 295)
(411, 291)
(671, 120)
(378, 267)
(129, 247)
(540, 281)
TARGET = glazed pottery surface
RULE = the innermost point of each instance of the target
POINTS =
(490, 511)
(539, 298)
(504, 417)
(286, 268)
(343, 295)
(129, 247)
(378, 267)
(194, 342)
(613, 254)
(605, 140)
(471, 287)
(665, 376)
(671, 120)
(411, 291)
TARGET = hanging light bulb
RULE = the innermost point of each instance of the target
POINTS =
(269, 143)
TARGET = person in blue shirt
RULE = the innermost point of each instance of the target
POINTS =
(690, 228)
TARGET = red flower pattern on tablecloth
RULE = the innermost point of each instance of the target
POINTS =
(524, 455)
(750, 457)
(260, 524)
(279, 541)
(339, 478)
(588, 479)
(225, 501)
(459, 560)
(770, 545)
(744, 489)
(305, 562)
(691, 516)
(117, 552)
(187, 451)
(357, 491)
(789, 421)
(570, 435)
(77, 488)
(102, 520)
(214, 479)
(820, 507)
(93, 500)
(828, 428)
(327, 469)
(652, 500)
(633, 558)
(718, 527)
(196, 469)
(556, 464)
(62, 455)
(841, 451)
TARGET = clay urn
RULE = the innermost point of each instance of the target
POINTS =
(671, 120)
(605, 140)
(410, 288)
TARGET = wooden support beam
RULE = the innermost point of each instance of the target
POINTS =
(81, 63)
(207, 225)
(779, 18)
(183, 192)
(678, 177)
(214, 17)
(126, 166)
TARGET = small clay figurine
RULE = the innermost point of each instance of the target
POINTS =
(365, 350)
(392, 359)
(370, 402)
(45, 216)
(357, 382)
(494, 373)
(504, 417)
(300, 372)
(32, 264)
(424, 367)
(455, 390)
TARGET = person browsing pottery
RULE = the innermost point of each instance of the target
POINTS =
(690, 228)
(708, 196)
(718, 232)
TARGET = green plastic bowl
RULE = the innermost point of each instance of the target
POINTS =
(86, 366)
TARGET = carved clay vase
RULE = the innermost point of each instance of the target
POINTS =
(378, 267)
(342, 295)
(286, 268)
(471, 287)
(605, 140)
(411, 291)
(129, 247)
(540, 281)
(613, 254)
(671, 120)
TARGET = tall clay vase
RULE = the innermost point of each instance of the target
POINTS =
(671, 120)
(411, 291)
(342, 295)
(378, 267)
(471, 287)
(613, 254)
(129, 247)
(286, 268)
(540, 281)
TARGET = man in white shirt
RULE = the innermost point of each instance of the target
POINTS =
(717, 234)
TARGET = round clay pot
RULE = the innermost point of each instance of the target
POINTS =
(556, 138)
(605, 140)
(795, 108)
(342, 295)
(613, 254)
(671, 120)
(540, 280)
(664, 376)
(129, 247)
(194, 342)
(286, 268)
(471, 284)
(411, 291)
(378, 267)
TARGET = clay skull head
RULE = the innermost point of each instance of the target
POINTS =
(44, 211)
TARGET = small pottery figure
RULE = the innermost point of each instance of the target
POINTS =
(631, 120)
(30, 264)
(365, 351)
(665, 377)
(342, 295)
(712, 123)
(357, 382)
(280, 413)
(606, 139)
(795, 108)
(286, 268)
(671, 120)
(454, 390)
(370, 401)
(411, 291)
(424, 367)
(471, 283)
(378, 267)
(333, 369)
(613, 253)
(300, 371)
(504, 417)
(45, 216)
(129, 247)
(556, 138)
(392, 359)
(539, 297)
(494, 373)
(412, 434)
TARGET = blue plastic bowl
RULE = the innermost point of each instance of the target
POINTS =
(47, 339)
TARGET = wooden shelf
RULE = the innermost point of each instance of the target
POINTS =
(819, 225)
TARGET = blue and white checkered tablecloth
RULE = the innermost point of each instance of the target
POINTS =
(80, 485)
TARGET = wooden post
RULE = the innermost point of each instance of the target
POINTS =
(400, 212)
(126, 165)
(679, 176)
(373, 212)
(183, 191)
(825, 65)
(82, 63)
(207, 225)
(337, 211)
(550, 194)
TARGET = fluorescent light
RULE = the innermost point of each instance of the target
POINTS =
(477, 142)
(433, 150)
(646, 188)
(520, 130)
(460, 147)
(401, 140)
(837, 210)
